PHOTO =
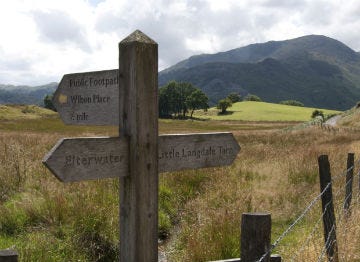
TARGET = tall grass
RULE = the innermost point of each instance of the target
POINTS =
(275, 172)
(199, 210)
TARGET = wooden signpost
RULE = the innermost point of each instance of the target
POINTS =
(138, 154)
(79, 159)
(90, 98)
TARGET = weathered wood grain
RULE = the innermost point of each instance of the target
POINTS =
(255, 236)
(138, 66)
(349, 182)
(79, 159)
(8, 255)
(191, 151)
(90, 98)
(329, 220)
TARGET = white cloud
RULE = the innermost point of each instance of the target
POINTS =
(42, 40)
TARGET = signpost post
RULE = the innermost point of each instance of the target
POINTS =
(128, 97)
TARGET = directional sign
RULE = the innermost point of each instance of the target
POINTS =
(78, 159)
(190, 151)
(90, 98)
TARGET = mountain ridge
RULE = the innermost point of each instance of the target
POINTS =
(316, 70)
(23, 94)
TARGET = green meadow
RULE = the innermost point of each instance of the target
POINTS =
(262, 111)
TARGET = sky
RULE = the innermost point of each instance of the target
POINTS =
(41, 40)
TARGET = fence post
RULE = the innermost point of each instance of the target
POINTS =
(328, 209)
(349, 182)
(255, 236)
(8, 255)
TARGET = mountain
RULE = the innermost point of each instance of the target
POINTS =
(317, 70)
(10, 94)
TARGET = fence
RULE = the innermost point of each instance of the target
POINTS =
(255, 228)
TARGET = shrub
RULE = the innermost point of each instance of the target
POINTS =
(234, 97)
(252, 98)
(291, 103)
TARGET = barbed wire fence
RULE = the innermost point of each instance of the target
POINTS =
(341, 212)
(321, 242)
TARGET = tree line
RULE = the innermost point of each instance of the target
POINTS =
(178, 98)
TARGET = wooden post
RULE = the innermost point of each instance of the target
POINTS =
(328, 209)
(138, 70)
(8, 255)
(255, 236)
(349, 182)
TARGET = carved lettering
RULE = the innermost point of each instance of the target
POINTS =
(93, 82)
(89, 161)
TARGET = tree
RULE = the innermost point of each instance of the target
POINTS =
(223, 105)
(48, 102)
(250, 97)
(167, 99)
(197, 100)
(317, 113)
(174, 99)
(234, 97)
(184, 91)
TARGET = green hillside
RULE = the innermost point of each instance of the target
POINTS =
(315, 70)
(21, 112)
(261, 111)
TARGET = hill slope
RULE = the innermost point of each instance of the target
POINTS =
(21, 112)
(316, 70)
(262, 111)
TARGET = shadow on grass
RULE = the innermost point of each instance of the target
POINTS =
(185, 118)
(226, 113)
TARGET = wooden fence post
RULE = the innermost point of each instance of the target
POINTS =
(328, 209)
(349, 183)
(138, 70)
(8, 255)
(255, 236)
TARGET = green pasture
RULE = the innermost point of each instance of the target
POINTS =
(262, 111)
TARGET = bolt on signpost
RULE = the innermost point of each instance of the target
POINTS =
(128, 97)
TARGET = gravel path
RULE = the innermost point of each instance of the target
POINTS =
(332, 121)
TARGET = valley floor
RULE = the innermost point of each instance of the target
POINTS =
(199, 210)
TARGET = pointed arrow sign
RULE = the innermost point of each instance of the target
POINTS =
(78, 159)
(90, 98)
(190, 151)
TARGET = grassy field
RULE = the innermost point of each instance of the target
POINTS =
(261, 111)
(199, 210)
(12, 112)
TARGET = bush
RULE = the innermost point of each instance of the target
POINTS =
(48, 103)
(234, 97)
(291, 103)
(252, 98)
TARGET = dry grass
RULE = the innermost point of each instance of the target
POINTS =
(276, 172)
